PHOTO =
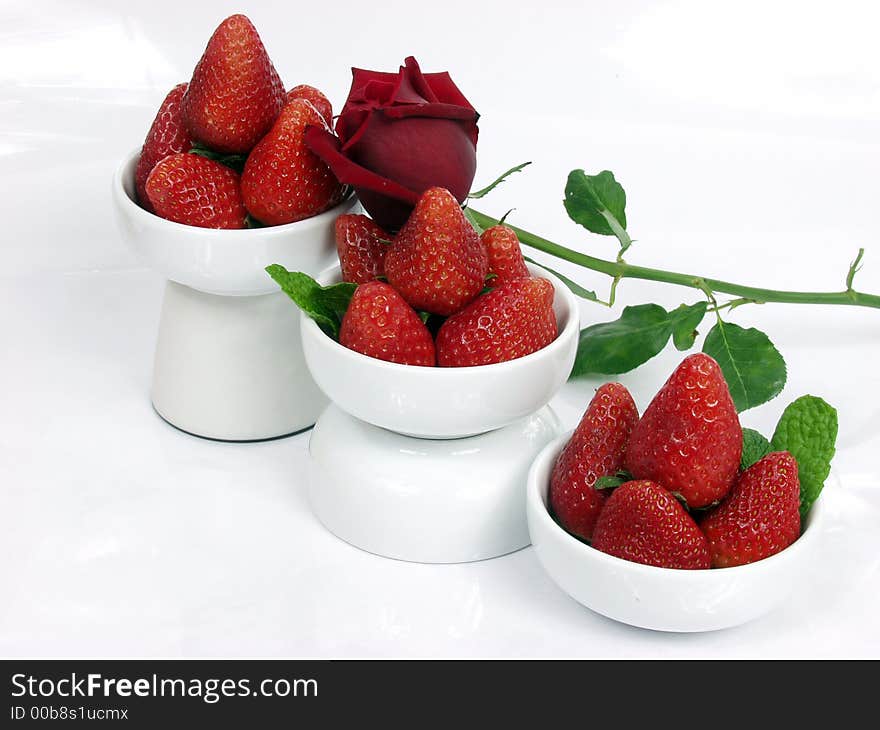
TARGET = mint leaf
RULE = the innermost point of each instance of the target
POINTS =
(807, 430)
(685, 320)
(236, 162)
(755, 448)
(616, 347)
(501, 178)
(575, 288)
(324, 304)
(754, 369)
(597, 202)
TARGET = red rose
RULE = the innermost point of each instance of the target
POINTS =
(398, 135)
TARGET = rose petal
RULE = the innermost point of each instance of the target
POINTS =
(411, 71)
(327, 147)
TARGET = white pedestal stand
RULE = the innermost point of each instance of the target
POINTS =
(229, 362)
(425, 500)
(232, 368)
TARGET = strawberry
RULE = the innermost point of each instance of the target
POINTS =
(380, 324)
(283, 180)
(235, 94)
(594, 450)
(509, 322)
(196, 191)
(689, 439)
(643, 523)
(505, 256)
(759, 517)
(315, 97)
(167, 135)
(437, 261)
(361, 246)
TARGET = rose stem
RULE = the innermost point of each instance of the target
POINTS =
(623, 270)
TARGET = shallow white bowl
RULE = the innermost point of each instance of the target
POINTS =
(443, 402)
(425, 500)
(225, 262)
(660, 598)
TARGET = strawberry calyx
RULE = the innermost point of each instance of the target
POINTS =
(233, 161)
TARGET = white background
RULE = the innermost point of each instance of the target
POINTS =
(746, 135)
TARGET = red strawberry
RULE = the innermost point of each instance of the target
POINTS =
(689, 439)
(283, 180)
(235, 94)
(644, 523)
(505, 256)
(196, 191)
(595, 450)
(315, 97)
(437, 261)
(361, 246)
(379, 323)
(167, 135)
(759, 517)
(509, 322)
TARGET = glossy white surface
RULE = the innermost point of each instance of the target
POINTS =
(232, 368)
(443, 402)
(229, 263)
(426, 501)
(121, 536)
(659, 598)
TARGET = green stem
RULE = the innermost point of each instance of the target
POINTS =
(622, 270)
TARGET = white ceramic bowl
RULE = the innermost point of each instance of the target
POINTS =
(443, 402)
(229, 263)
(660, 598)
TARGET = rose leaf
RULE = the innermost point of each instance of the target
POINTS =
(685, 320)
(754, 369)
(616, 347)
(597, 202)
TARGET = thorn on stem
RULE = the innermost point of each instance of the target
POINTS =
(854, 268)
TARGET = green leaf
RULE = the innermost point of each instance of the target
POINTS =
(807, 429)
(489, 188)
(755, 448)
(754, 369)
(473, 221)
(610, 482)
(236, 162)
(324, 304)
(597, 202)
(576, 288)
(616, 347)
(685, 320)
